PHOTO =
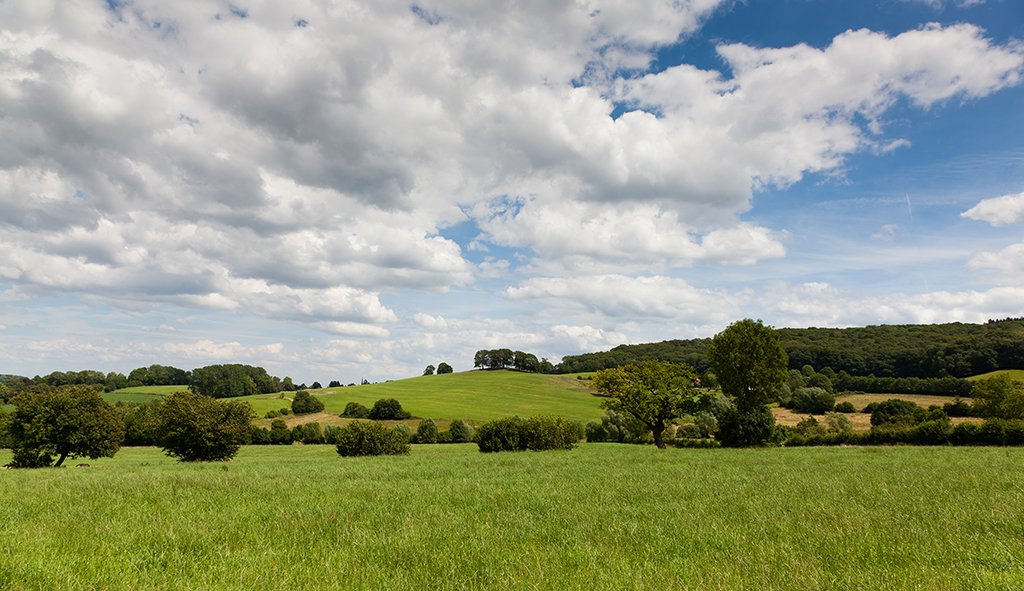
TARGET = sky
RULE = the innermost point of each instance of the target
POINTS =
(347, 190)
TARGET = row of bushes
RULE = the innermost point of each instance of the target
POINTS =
(1000, 432)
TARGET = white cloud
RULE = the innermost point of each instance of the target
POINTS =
(888, 233)
(1008, 263)
(998, 211)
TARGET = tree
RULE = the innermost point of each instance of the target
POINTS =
(365, 438)
(653, 392)
(315, 386)
(429, 371)
(749, 362)
(197, 428)
(72, 421)
(426, 432)
(999, 397)
(304, 403)
(443, 368)
(387, 409)
(461, 431)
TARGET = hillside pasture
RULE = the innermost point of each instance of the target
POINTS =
(475, 395)
(141, 394)
(1016, 374)
(604, 516)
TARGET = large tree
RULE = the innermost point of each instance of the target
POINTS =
(750, 365)
(196, 428)
(654, 392)
(66, 422)
(999, 396)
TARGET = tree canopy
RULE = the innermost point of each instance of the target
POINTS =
(232, 380)
(443, 368)
(304, 403)
(654, 392)
(999, 396)
(749, 363)
(196, 428)
(73, 421)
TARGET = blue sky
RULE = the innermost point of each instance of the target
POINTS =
(359, 189)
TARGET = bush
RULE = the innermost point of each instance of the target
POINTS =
(810, 426)
(869, 408)
(517, 434)
(354, 410)
(838, 422)
(846, 407)
(1013, 434)
(444, 437)
(965, 434)
(405, 431)
(736, 429)
(932, 433)
(364, 438)
(957, 408)
(596, 432)
(285, 411)
(197, 428)
(707, 423)
(259, 436)
(331, 434)
(897, 412)
(280, 434)
(387, 409)
(426, 432)
(312, 434)
(812, 401)
(304, 403)
(461, 432)
(992, 432)
(271, 414)
(689, 431)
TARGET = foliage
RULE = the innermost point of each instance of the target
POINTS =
(70, 421)
(737, 428)
(999, 397)
(368, 438)
(897, 412)
(461, 431)
(387, 409)
(354, 410)
(957, 408)
(426, 431)
(706, 424)
(139, 422)
(429, 371)
(822, 381)
(654, 393)
(231, 381)
(402, 429)
(304, 403)
(517, 434)
(846, 407)
(443, 368)
(812, 400)
(595, 432)
(507, 358)
(750, 363)
(280, 434)
(838, 421)
(312, 433)
(196, 428)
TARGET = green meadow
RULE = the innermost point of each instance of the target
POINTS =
(1016, 374)
(475, 395)
(141, 394)
(603, 516)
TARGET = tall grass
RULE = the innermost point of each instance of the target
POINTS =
(604, 516)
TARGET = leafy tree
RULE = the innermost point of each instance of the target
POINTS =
(461, 431)
(897, 412)
(138, 422)
(66, 422)
(999, 397)
(387, 409)
(429, 371)
(230, 381)
(280, 434)
(813, 401)
(5, 429)
(334, 384)
(366, 438)
(426, 432)
(287, 385)
(405, 431)
(114, 381)
(197, 428)
(750, 363)
(354, 410)
(444, 368)
(653, 392)
(315, 386)
(822, 381)
(304, 403)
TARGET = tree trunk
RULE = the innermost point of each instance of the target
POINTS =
(658, 430)
(63, 456)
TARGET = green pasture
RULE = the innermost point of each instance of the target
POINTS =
(603, 516)
(141, 394)
(475, 395)
(1016, 374)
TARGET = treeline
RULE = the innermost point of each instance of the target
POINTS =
(507, 358)
(954, 350)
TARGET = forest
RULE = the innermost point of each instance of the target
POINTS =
(955, 350)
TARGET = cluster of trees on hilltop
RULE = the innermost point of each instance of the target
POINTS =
(898, 351)
(507, 358)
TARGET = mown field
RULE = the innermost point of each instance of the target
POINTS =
(474, 395)
(604, 516)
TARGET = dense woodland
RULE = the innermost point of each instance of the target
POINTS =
(897, 351)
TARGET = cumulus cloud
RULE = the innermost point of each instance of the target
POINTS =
(1007, 263)
(998, 211)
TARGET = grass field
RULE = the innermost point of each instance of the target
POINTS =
(603, 516)
(1017, 374)
(142, 394)
(475, 395)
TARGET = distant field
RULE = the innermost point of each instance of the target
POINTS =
(475, 395)
(601, 517)
(142, 394)
(1017, 374)
(861, 421)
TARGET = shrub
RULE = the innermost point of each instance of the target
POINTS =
(965, 434)
(426, 432)
(460, 432)
(259, 436)
(285, 411)
(405, 431)
(271, 414)
(297, 433)
(846, 407)
(932, 433)
(1013, 434)
(280, 434)
(354, 410)
(957, 408)
(707, 423)
(689, 431)
(387, 409)
(838, 421)
(897, 412)
(736, 429)
(596, 432)
(813, 400)
(992, 432)
(517, 434)
(364, 438)
(304, 403)
(810, 426)
(331, 434)
(869, 408)
(312, 434)
(581, 430)
(197, 428)
(444, 437)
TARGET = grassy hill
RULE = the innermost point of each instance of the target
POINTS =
(476, 395)
(141, 394)
(1016, 374)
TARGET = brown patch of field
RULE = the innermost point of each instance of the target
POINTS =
(859, 401)
(862, 421)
